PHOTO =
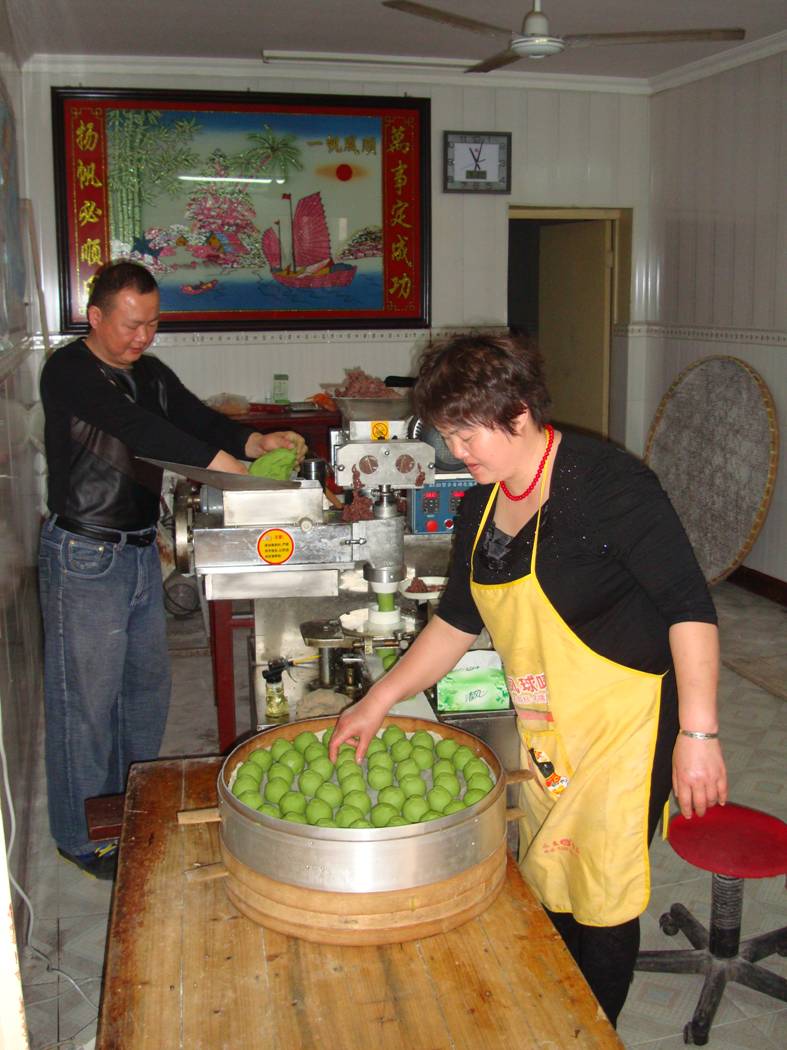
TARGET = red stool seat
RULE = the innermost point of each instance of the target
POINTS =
(734, 843)
(732, 840)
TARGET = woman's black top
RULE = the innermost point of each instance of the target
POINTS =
(613, 557)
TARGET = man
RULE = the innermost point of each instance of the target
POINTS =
(106, 675)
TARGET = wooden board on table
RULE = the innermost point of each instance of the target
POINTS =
(185, 970)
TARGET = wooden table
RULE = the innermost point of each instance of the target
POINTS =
(185, 970)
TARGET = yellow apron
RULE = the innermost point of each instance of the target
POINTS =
(588, 730)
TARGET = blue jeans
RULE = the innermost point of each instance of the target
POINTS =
(106, 671)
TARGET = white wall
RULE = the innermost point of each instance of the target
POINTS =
(717, 253)
(584, 147)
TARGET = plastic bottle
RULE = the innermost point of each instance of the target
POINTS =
(281, 383)
(275, 700)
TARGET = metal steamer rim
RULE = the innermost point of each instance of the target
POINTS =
(714, 445)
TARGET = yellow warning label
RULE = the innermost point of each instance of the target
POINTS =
(380, 430)
(275, 546)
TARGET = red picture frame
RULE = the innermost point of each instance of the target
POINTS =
(253, 211)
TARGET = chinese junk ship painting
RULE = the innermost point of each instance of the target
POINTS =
(265, 211)
(312, 265)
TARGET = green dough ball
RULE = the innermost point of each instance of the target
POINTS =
(438, 798)
(326, 822)
(471, 797)
(279, 771)
(462, 756)
(244, 784)
(274, 790)
(380, 758)
(294, 759)
(292, 802)
(431, 814)
(398, 822)
(401, 750)
(304, 740)
(421, 738)
(348, 769)
(326, 736)
(453, 806)
(361, 824)
(309, 781)
(279, 747)
(250, 798)
(379, 778)
(449, 782)
(318, 810)
(391, 734)
(323, 766)
(295, 818)
(423, 757)
(315, 751)
(344, 758)
(445, 748)
(480, 782)
(350, 784)
(475, 765)
(346, 748)
(392, 796)
(360, 800)
(251, 770)
(270, 810)
(381, 814)
(408, 768)
(261, 757)
(414, 808)
(375, 744)
(329, 793)
(443, 765)
(413, 786)
(277, 464)
(346, 815)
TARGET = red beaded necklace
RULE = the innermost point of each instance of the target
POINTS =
(550, 438)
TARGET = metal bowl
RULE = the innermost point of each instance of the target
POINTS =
(362, 860)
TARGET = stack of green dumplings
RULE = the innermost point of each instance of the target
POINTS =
(403, 780)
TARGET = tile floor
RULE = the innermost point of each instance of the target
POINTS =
(71, 910)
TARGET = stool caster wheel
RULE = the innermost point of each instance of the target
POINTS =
(668, 924)
(693, 1035)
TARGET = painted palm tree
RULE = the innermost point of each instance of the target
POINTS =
(146, 156)
(270, 154)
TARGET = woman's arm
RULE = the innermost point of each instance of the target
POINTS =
(434, 653)
(699, 777)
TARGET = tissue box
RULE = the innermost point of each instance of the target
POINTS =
(477, 683)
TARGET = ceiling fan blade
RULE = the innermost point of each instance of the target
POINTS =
(445, 17)
(502, 58)
(666, 36)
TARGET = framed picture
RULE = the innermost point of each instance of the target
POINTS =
(252, 210)
(477, 162)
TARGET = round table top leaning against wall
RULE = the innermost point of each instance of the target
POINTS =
(714, 444)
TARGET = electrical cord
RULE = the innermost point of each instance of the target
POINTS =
(28, 904)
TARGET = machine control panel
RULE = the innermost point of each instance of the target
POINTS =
(432, 509)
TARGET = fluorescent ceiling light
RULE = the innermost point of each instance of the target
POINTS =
(227, 178)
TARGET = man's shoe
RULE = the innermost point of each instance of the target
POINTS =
(100, 864)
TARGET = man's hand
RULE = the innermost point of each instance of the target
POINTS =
(258, 444)
(226, 463)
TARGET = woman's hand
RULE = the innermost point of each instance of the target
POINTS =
(258, 444)
(356, 726)
(699, 776)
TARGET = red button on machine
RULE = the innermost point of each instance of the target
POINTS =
(449, 524)
(431, 525)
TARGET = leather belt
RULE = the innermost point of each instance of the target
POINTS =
(98, 532)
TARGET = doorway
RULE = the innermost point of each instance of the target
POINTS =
(568, 283)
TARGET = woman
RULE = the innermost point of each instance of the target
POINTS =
(570, 553)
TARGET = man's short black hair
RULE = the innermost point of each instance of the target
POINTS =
(114, 277)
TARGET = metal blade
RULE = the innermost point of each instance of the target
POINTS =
(666, 36)
(218, 479)
(445, 17)
(502, 58)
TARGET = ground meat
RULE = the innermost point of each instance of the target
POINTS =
(359, 510)
(360, 384)
(419, 586)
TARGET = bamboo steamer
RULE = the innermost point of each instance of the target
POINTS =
(364, 885)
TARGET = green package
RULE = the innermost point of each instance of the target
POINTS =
(479, 689)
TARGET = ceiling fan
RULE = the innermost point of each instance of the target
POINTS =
(534, 40)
